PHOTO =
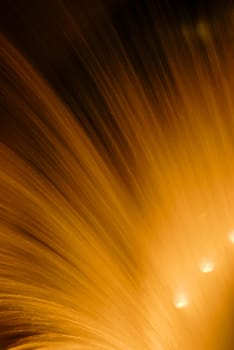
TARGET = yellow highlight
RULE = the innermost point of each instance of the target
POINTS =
(231, 237)
(206, 266)
(181, 301)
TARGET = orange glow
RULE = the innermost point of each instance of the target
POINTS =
(231, 237)
(181, 301)
(116, 182)
(206, 266)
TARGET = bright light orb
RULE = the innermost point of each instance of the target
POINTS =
(231, 237)
(206, 266)
(181, 301)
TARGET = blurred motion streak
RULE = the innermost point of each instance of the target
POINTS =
(116, 175)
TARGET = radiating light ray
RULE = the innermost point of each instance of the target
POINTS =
(116, 177)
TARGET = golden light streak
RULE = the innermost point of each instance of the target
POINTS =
(116, 178)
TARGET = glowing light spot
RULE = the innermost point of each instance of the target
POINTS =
(181, 301)
(206, 266)
(203, 31)
(231, 237)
